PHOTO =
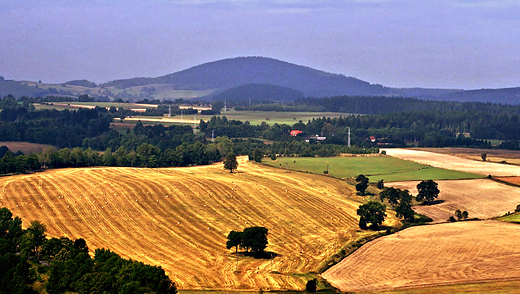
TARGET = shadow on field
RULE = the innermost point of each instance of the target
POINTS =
(432, 202)
(262, 255)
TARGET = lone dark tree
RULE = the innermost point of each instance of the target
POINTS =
(311, 286)
(234, 240)
(231, 163)
(428, 191)
(362, 184)
(380, 184)
(372, 213)
(483, 156)
(254, 239)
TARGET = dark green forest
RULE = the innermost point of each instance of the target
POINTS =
(64, 265)
(84, 138)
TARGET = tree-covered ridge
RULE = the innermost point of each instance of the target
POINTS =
(258, 93)
(382, 105)
(27, 255)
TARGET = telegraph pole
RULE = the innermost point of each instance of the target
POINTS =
(348, 142)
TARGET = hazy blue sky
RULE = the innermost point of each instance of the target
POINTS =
(399, 43)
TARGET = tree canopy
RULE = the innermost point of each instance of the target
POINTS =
(362, 184)
(428, 191)
(231, 163)
(68, 264)
(252, 239)
(372, 213)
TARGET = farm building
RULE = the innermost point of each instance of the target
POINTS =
(295, 133)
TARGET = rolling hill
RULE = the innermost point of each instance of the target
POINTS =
(210, 79)
(179, 218)
(229, 73)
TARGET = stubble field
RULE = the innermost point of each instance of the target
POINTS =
(455, 162)
(481, 198)
(451, 253)
(179, 218)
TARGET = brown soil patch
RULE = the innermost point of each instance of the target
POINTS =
(25, 147)
(482, 198)
(179, 218)
(451, 253)
(511, 180)
(454, 162)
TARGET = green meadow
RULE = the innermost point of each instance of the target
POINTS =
(512, 218)
(376, 168)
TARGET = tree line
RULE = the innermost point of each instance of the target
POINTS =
(27, 254)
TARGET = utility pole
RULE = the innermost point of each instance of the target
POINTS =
(348, 141)
(169, 111)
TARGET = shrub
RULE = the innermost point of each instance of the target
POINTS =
(311, 286)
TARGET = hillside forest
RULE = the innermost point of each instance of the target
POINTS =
(84, 137)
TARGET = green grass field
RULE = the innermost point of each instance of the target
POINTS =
(389, 169)
(512, 218)
(279, 117)
(256, 117)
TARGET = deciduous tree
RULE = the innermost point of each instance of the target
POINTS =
(234, 240)
(362, 184)
(428, 191)
(372, 213)
(231, 163)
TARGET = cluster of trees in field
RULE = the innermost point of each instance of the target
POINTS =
(252, 239)
(25, 255)
(373, 213)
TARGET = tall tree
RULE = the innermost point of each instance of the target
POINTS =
(231, 163)
(428, 191)
(372, 213)
(234, 240)
(255, 239)
(362, 184)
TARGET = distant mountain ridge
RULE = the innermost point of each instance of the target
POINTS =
(233, 72)
(220, 76)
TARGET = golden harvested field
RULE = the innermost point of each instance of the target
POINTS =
(454, 162)
(451, 253)
(179, 218)
(493, 155)
(482, 198)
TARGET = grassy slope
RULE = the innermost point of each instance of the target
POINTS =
(511, 218)
(389, 169)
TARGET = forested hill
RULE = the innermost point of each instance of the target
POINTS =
(258, 93)
(234, 72)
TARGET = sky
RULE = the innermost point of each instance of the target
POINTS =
(464, 44)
